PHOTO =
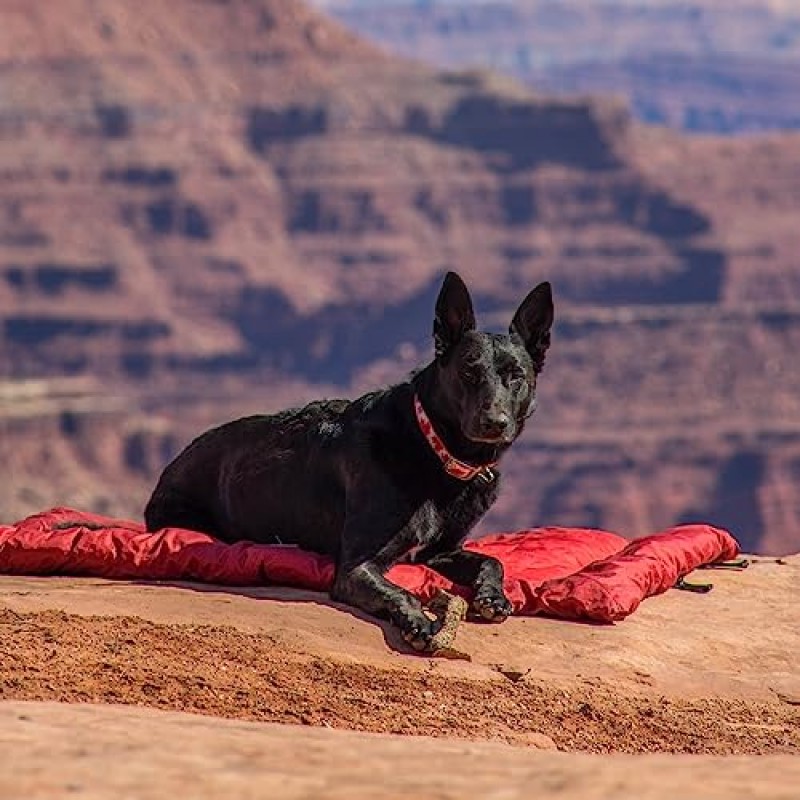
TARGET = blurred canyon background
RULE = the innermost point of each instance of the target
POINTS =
(210, 208)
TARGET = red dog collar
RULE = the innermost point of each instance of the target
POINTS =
(452, 466)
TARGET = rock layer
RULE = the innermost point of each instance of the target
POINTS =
(216, 208)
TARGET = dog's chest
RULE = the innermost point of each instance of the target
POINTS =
(426, 526)
(452, 518)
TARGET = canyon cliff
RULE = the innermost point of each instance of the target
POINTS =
(215, 208)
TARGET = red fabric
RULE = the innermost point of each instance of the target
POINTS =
(612, 588)
(571, 573)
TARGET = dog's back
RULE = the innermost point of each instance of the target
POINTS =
(261, 478)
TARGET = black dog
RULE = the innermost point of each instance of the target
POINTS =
(403, 473)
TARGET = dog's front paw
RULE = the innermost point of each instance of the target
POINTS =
(418, 631)
(492, 605)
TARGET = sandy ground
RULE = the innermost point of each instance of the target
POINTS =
(712, 674)
(56, 751)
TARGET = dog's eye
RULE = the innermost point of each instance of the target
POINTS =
(514, 378)
(470, 376)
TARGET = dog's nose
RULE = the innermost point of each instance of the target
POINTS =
(496, 424)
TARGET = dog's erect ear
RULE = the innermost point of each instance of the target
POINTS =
(533, 321)
(454, 314)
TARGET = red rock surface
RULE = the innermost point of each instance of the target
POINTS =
(687, 673)
(61, 750)
(152, 690)
(209, 209)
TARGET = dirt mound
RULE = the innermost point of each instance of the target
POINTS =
(221, 671)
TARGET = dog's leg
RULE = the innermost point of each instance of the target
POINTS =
(483, 573)
(381, 527)
(365, 587)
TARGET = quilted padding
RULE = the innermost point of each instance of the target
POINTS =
(572, 573)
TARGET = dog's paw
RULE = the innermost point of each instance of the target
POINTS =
(419, 632)
(492, 605)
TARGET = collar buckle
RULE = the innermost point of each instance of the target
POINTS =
(487, 475)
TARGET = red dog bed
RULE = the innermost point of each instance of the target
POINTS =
(571, 573)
